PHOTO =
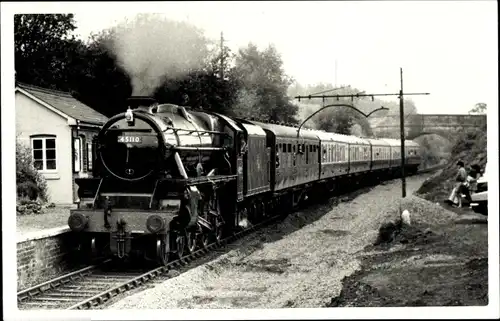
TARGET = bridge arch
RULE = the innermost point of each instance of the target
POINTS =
(450, 135)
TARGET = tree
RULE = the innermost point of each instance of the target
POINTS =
(343, 120)
(479, 108)
(336, 119)
(44, 50)
(260, 74)
(100, 82)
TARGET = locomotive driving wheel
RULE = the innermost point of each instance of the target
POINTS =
(202, 237)
(179, 239)
(219, 229)
(163, 249)
(191, 238)
(210, 210)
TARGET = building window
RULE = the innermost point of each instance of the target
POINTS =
(89, 157)
(44, 153)
(77, 154)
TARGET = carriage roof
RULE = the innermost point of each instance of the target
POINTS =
(397, 142)
(378, 142)
(349, 139)
(411, 143)
(253, 130)
(285, 131)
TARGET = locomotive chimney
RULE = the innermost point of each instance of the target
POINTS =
(140, 101)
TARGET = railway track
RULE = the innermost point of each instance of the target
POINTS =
(94, 285)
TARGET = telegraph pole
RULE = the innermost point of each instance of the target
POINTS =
(402, 130)
(221, 55)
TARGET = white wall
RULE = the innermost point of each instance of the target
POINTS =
(33, 118)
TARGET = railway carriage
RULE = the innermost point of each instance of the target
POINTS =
(381, 154)
(295, 159)
(395, 163)
(412, 156)
(359, 154)
(334, 155)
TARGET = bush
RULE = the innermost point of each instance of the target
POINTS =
(30, 183)
(433, 149)
(28, 207)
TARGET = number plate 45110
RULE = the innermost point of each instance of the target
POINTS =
(129, 139)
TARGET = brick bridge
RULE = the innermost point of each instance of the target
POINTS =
(417, 125)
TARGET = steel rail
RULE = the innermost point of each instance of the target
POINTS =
(55, 283)
(148, 276)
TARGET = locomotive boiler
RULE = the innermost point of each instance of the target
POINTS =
(160, 172)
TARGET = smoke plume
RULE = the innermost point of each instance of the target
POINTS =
(152, 48)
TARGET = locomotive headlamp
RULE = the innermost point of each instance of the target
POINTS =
(155, 223)
(129, 116)
(77, 222)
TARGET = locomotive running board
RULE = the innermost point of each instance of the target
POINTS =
(202, 180)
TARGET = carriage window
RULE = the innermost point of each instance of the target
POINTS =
(289, 149)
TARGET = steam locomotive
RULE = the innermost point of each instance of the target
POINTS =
(169, 179)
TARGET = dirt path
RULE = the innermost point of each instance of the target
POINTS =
(300, 262)
(440, 260)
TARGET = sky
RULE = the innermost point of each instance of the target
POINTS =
(448, 49)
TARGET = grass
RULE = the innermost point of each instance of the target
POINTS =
(54, 217)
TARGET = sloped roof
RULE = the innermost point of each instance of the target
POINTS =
(65, 103)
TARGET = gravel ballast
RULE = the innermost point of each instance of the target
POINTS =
(299, 262)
